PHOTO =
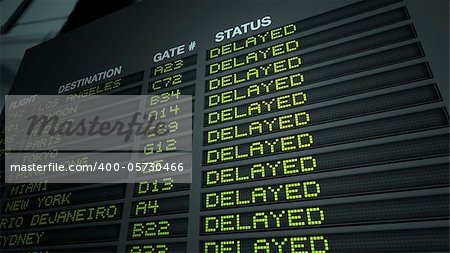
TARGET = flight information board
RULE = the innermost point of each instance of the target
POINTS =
(317, 126)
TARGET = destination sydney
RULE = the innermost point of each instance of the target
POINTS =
(97, 139)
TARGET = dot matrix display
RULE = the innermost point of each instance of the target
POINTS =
(324, 131)
(282, 102)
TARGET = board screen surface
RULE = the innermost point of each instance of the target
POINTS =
(318, 126)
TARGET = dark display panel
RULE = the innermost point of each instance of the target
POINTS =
(318, 126)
